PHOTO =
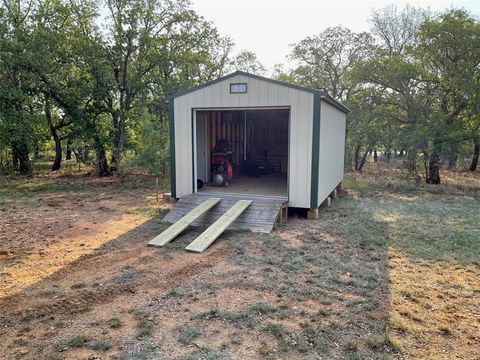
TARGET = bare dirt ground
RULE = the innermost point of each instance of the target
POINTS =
(387, 272)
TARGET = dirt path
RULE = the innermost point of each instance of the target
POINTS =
(40, 239)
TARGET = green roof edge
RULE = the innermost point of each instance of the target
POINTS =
(323, 95)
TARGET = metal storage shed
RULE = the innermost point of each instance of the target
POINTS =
(296, 132)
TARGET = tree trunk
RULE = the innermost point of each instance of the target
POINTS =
(375, 155)
(118, 141)
(357, 157)
(452, 161)
(24, 158)
(410, 162)
(58, 144)
(364, 159)
(21, 158)
(68, 151)
(434, 168)
(102, 161)
(58, 150)
(389, 156)
(15, 160)
(476, 153)
(425, 163)
(78, 156)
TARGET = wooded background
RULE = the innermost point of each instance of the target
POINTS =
(75, 81)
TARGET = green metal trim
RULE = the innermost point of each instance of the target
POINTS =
(317, 101)
(171, 125)
(193, 153)
(345, 149)
(324, 95)
(335, 103)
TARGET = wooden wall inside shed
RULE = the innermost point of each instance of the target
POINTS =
(269, 136)
(265, 130)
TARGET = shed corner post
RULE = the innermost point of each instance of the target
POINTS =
(313, 212)
(171, 126)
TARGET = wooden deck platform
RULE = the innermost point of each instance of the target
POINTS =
(260, 216)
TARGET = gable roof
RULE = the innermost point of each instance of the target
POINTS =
(323, 95)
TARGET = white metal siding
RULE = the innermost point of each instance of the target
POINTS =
(332, 149)
(259, 93)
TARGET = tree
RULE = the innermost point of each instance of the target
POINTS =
(326, 60)
(53, 35)
(98, 89)
(144, 35)
(247, 61)
(397, 30)
(449, 50)
(16, 84)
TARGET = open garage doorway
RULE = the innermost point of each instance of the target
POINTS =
(243, 151)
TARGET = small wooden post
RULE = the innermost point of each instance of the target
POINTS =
(339, 187)
(312, 214)
(156, 186)
(328, 201)
(335, 194)
(285, 212)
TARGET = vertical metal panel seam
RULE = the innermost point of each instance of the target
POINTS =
(315, 151)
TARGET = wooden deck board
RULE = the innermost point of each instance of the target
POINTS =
(178, 227)
(260, 216)
(202, 242)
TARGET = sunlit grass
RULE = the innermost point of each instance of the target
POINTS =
(434, 226)
(432, 235)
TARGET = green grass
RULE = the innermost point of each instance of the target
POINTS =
(343, 264)
(433, 226)
(114, 322)
(277, 330)
(14, 191)
(37, 186)
(74, 341)
(205, 354)
(144, 329)
(187, 334)
(245, 318)
(126, 277)
(34, 315)
(99, 345)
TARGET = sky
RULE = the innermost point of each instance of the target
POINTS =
(268, 27)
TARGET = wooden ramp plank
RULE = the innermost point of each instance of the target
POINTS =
(218, 227)
(178, 227)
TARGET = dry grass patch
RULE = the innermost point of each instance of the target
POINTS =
(389, 271)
